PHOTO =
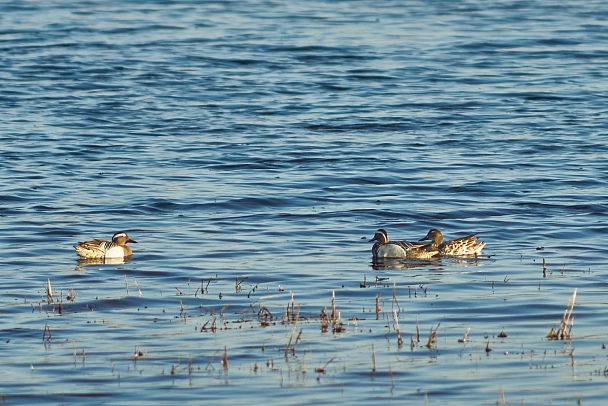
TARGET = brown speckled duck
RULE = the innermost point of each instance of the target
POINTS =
(458, 247)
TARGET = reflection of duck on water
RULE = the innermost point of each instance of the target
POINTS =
(102, 261)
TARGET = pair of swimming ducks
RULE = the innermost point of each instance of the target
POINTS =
(382, 249)
(459, 247)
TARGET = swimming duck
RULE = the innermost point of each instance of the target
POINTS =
(384, 249)
(457, 247)
(117, 248)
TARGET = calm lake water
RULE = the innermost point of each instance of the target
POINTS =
(252, 149)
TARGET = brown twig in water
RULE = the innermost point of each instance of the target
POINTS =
(70, 296)
(46, 335)
(238, 284)
(298, 339)
(377, 306)
(126, 284)
(544, 268)
(323, 370)
(225, 359)
(432, 336)
(207, 287)
(324, 320)
(264, 316)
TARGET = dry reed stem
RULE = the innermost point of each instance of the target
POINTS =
(126, 284)
(432, 336)
(566, 323)
(377, 306)
(238, 283)
(293, 331)
(293, 302)
(298, 339)
(465, 336)
(395, 301)
(339, 327)
(323, 370)
(207, 287)
(264, 316)
(46, 335)
(544, 268)
(286, 316)
(568, 316)
(225, 359)
(70, 296)
(324, 320)
(396, 318)
(211, 360)
(333, 308)
(223, 309)
(501, 397)
(373, 359)
(137, 286)
(49, 291)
